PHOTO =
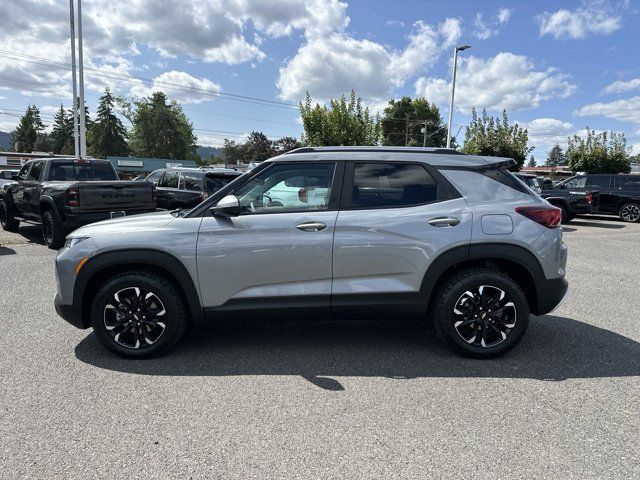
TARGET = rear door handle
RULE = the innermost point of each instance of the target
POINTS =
(311, 226)
(444, 221)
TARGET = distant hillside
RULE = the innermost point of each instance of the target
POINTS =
(207, 152)
(5, 140)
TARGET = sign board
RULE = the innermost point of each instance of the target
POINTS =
(130, 163)
(3, 160)
(173, 165)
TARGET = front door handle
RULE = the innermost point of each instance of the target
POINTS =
(311, 226)
(444, 221)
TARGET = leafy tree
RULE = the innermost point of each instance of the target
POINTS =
(43, 143)
(29, 128)
(404, 121)
(556, 157)
(258, 147)
(108, 135)
(532, 162)
(599, 152)
(341, 123)
(234, 153)
(62, 133)
(495, 137)
(285, 144)
(161, 129)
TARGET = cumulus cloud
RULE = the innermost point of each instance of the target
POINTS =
(329, 66)
(597, 17)
(484, 29)
(625, 110)
(505, 81)
(622, 86)
(544, 133)
(180, 86)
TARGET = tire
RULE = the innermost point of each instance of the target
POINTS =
(566, 217)
(458, 327)
(53, 233)
(132, 333)
(7, 220)
(629, 212)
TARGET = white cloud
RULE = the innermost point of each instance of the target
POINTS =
(622, 86)
(504, 14)
(596, 17)
(506, 81)
(329, 66)
(625, 110)
(544, 133)
(484, 29)
(180, 86)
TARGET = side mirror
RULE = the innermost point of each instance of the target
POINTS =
(228, 206)
(7, 175)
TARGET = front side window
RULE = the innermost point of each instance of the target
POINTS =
(577, 182)
(170, 180)
(390, 185)
(36, 170)
(24, 171)
(288, 188)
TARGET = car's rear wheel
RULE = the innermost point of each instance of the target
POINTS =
(139, 314)
(7, 220)
(630, 212)
(480, 313)
(53, 233)
(566, 217)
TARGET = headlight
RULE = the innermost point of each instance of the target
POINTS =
(73, 241)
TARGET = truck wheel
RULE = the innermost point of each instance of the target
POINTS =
(630, 212)
(566, 218)
(480, 313)
(139, 314)
(7, 220)
(52, 232)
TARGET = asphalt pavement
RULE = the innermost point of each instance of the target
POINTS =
(328, 400)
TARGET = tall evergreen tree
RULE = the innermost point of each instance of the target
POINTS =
(108, 136)
(258, 147)
(532, 162)
(28, 130)
(556, 157)
(62, 133)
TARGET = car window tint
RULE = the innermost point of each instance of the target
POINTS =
(170, 180)
(378, 184)
(103, 171)
(70, 171)
(598, 181)
(478, 187)
(631, 181)
(216, 182)
(154, 177)
(192, 181)
(24, 171)
(288, 188)
(36, 170)
(578, 182)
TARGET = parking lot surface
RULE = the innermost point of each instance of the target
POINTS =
(328, 400)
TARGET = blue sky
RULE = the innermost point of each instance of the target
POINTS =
(557, 67)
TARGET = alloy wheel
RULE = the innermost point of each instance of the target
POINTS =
(630, 212)
(484, 316)
(135, 317)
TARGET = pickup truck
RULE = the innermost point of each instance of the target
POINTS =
(571, 202)
(66, 193)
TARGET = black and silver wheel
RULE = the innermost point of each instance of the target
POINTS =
(7, 221)
(53, 233)
(481, 313)
(139, 314)
(630, 212)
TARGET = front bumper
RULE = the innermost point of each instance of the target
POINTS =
(71, 313)
(550, 294)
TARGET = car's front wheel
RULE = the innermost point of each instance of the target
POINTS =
(139, 314)
(480, 313)
(7, 220)
(630, 212)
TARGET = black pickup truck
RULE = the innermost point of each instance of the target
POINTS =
(66, 193)
(571, 202)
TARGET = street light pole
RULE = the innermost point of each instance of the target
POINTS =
(453, 89)
(83, 124)
(76, 149)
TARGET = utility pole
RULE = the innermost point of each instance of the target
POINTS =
(83, 120)
(76, 149)
(453, 89)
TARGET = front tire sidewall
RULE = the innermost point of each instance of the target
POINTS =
(52, 233)
(444, 320)
(7, 221)
(169, 295)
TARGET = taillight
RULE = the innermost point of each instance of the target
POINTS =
(303, 195)
(547, 216)
(588, 197)
(73, 197)
(154, 195)
(203, 196)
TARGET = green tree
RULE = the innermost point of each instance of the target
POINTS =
(29, 128)
(234, 153)
(258, 147)
(108, 135)
(161, 129)
(285, 144)
(62, 133)
(495, 137)
(532, 162)
(556, 157)
(341, 123)
(599, 152)
(404, 122)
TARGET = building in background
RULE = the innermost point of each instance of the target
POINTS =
(131, 167)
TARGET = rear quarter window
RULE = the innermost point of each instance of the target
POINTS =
(487, 186)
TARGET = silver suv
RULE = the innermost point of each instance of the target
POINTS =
(456, 239)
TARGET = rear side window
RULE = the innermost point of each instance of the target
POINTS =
(155, 177)
(216, 182)
(70, 171)
(191, 181)
(390, 185)
(598, 181)
(169, 180)
(630, 181)
(487, 185)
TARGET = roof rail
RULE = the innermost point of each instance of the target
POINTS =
(429, 150)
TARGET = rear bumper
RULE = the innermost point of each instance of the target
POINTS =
(71, 313)
(76, 220)
(550, 294)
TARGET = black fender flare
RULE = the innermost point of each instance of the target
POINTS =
(47, 201)
(138, 258)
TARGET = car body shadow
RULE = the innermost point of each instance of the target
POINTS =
(598, 224)
(554, 349)
(6, 251)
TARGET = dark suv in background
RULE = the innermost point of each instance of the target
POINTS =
(187, 187)
(619, 194)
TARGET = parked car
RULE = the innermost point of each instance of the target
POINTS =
(619, 194)
(456, 239)
(570, 202)
(183, 187)
(66, 193)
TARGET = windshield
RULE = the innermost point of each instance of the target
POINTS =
(71, 171)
